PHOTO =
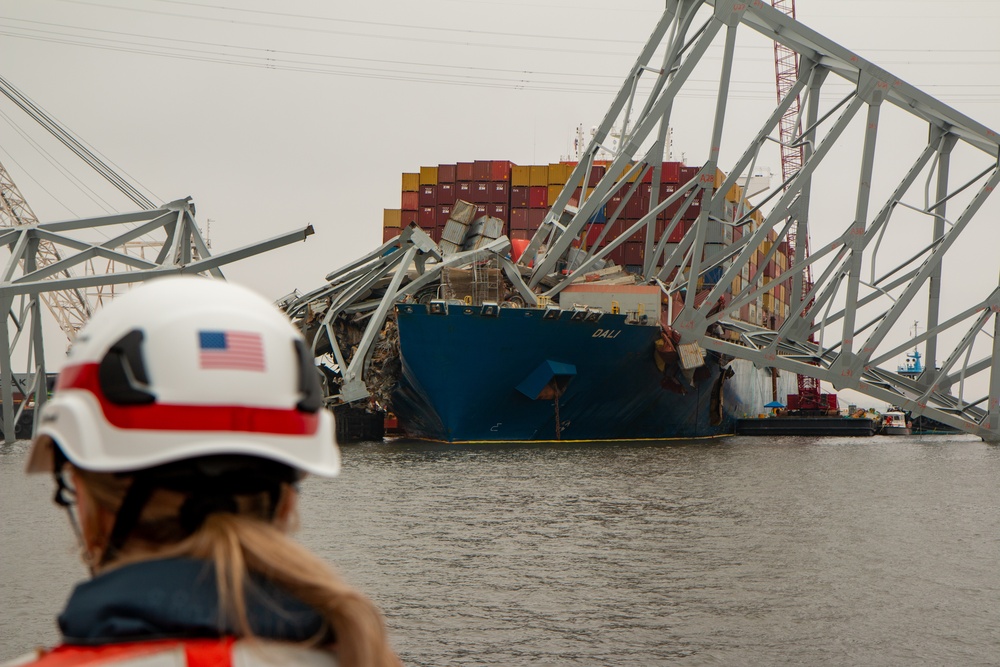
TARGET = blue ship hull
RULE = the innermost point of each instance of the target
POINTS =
(470, 376)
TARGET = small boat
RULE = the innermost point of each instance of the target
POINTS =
(894, 423)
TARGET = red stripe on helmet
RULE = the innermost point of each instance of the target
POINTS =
(167, 417)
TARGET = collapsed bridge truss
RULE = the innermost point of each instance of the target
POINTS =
(889, 191)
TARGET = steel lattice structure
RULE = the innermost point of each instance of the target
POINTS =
(920, 173)
(27, 275)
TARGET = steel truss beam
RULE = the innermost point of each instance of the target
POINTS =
(352, 288)
(844, 327)
(24, 280)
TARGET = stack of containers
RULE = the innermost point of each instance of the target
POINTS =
(428, 196)
(520, 197)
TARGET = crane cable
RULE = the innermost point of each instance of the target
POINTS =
(77, 148)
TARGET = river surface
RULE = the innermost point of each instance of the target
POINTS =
(733, 551)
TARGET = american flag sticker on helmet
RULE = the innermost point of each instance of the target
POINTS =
(231, 350)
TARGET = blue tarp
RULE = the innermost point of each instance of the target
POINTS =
(537, 380)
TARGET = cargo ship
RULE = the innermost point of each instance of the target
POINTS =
(466, 358)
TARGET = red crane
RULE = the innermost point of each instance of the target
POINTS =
(786, 72)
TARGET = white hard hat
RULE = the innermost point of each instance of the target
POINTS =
(181, 368)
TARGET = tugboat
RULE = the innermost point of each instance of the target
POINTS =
(894, 423)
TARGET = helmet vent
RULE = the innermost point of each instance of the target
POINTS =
(309, 387)
(122, 374)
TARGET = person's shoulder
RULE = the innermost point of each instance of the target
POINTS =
(180, 653)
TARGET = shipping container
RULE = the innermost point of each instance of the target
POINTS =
(389, 233)
(481, 192)
(687, 173)
(553, 193)
(519, 219)
(538, 175)
(391, 218)
(498, 211)
(428, 175)
(407, 218)
(634, 252)
(447, 173)
(409, 201)
(481, 170)
(520, 234)
(427, 217)
(481, 209)
(519, 196)
(463, 190)
(446, 193)
(535, 217)
(538, 196)
(428, 195)
(558, 172)
(464, 171)
(443, 213)
(500, 192)
(500, 170)
(520, 176)
(594, 232)
(411, 182)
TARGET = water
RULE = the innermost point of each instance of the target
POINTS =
(736, 551)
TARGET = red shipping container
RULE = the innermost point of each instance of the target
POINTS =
(520, 234)
(463, 191)
(481, 170)
(634, 252)
(596, 174)
(428, 195)
(389, 233)
(535, 217)
(464, 171)
(436, 233)
(407, 218)
(498, 211)
(445, 193)
(687, 173)
(443, 213)
(519, 196)
(538, 196)
(831, 401)
(617, 255)
(447, 173)
(519, 219)
(427, 217)
(637, 206)
(482, 209)
(410, 201)
(481, 192)
(500, 170)
(500, 191)
(593, 233)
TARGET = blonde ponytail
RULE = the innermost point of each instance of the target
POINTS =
(244, 543)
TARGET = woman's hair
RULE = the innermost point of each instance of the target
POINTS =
(245, 542)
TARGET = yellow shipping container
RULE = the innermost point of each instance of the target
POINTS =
(520, 176)
(768, 302)
(737, 284)
(428, 176)
(757, 216)
(719, 178)
(554, 191)
(391, 217)
(735, 194)
(538, 174)
(411, 182)
(558, 173)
